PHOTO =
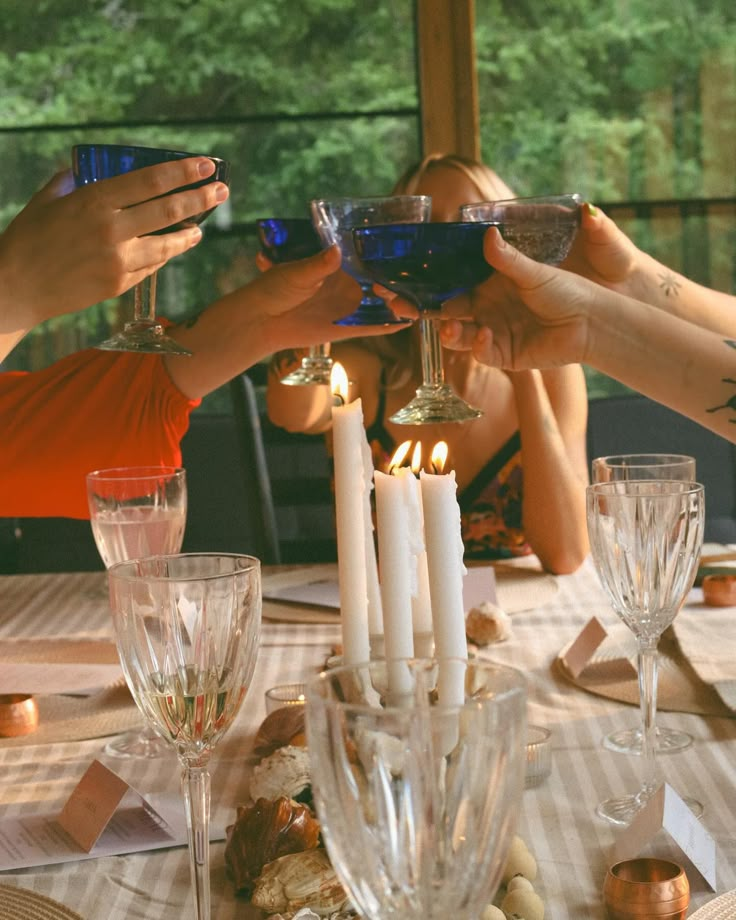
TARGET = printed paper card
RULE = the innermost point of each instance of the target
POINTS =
(667, 811)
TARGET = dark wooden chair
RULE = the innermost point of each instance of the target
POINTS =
(634, 424)
(292, 504)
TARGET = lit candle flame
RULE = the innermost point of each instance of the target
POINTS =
(416, 458)
(339, 383)
(399, 456)
(439, 456)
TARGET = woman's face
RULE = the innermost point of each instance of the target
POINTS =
(449, 188)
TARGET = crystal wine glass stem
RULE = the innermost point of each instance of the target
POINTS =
(647, 662)
(195, 784)
(433, 374)
(144, 305)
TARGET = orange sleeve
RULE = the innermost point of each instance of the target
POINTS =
(92, 410)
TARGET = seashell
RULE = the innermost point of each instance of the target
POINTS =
(264, 831)
(285, 772)
(493, 913)
(284, 726)
(487, 623)
(300, 880)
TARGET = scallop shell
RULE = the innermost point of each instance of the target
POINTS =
(263, 832)
(285, 772)
(281, 727)
(300, 880)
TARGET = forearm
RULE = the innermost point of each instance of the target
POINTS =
(553, 510)
(677, 363)
(656, 284)
(306, 409)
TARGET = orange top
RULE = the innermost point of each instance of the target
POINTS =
(92, 410)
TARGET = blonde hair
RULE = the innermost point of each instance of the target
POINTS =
(491, 186)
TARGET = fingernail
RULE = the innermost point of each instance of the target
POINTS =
(592, 209)
(206, 167)
(195, 235)
(221, 191)
(500, 241)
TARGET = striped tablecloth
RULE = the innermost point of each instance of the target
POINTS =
(558, 819)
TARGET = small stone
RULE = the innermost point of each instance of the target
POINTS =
(523, 903)
(487, 623)
(519, 861)
(493, 913)
(519, 882)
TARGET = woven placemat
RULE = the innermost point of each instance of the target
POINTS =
(107, 711)
(721, 908)
(679, 689)
(22, 904)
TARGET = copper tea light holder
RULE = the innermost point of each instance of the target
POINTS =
(18, 715)
(636, 889)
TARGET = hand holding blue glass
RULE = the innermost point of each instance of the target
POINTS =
(428, 264)
(94, 162)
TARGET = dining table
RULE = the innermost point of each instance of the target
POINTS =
(557, 821)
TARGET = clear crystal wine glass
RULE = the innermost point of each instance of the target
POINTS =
(543, 227)
(645, 539)
(285, 239)
(417, 800)
(428, 263)
(617, 467)
(187, 629)
(334, 220)
(137, 511)
(92, 162)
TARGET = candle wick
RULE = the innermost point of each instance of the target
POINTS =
(338, 399)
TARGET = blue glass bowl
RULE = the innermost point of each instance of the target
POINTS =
(285, 239)
(427, 263)
(93, 162)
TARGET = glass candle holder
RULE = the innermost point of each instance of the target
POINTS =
(538, 755)
(284, 695)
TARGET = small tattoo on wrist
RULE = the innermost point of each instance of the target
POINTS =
(669, 283)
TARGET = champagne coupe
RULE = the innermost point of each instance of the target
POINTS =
(417, 800)
(187, 628)
(285, 239)
(137, 511)
(93, 162)
(543, 228)
(645, 539)
(428, 264)
(334, 220)
(645, 466)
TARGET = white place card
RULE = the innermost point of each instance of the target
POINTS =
(580, 653)
(667, 811)
(104, 816)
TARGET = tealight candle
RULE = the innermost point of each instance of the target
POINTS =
(350, 484)
(284, 695)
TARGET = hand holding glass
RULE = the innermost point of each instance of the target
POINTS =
(187, 629)
(92, 162)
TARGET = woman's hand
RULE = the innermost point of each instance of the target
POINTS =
(71, 248)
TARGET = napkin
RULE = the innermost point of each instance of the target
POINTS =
(707, 639)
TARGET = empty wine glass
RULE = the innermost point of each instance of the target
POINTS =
(137, 511)
(645, 539)
(543, 227)
(334, 220)
(285, 239)
(187, 629)
(417, 800)
(428, 263)
(645, 466)
(92, 162)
